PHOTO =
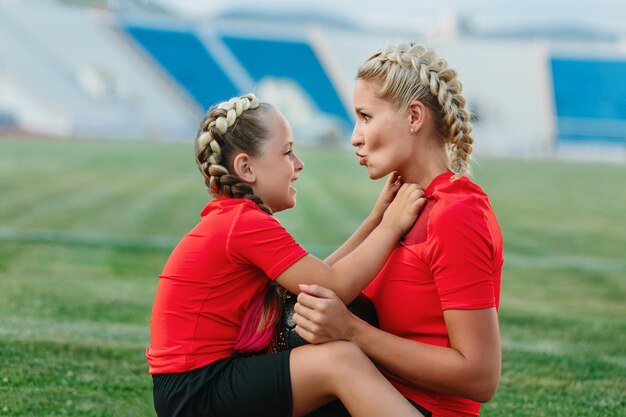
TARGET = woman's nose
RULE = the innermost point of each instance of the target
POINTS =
(357, 137)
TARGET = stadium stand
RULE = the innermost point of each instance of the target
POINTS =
(131, 72)
(590, 99)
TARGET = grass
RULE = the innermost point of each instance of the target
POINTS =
(85, 228)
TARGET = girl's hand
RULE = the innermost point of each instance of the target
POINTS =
(404, 209)
(320, 315)
(386, 196)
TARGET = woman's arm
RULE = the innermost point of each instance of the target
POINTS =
(349, 275)
(386, 196)
(469, 368)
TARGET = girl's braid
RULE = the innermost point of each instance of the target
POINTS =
(216, 141)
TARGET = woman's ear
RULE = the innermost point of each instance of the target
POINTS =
(242, 168)
(417, 115)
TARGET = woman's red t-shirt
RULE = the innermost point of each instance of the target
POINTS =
(451, 259)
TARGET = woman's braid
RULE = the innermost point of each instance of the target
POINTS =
(225, 129)
(412, 72)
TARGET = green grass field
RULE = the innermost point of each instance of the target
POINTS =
(85, 227)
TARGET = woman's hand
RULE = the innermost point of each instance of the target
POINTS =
(320, 316)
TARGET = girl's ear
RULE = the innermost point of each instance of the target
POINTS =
(417, 115)
(242, 168)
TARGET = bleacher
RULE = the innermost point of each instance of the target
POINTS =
(590, 99)
(91, 72)
(68, 71)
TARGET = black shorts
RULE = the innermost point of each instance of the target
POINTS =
(258, 385)
(336, 409)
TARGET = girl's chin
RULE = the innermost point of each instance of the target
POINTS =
(287, 205)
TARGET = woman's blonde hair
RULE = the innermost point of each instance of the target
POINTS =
(408, 72)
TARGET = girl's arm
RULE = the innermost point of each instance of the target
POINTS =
(392, 185)
(351, 274)
(469, 367)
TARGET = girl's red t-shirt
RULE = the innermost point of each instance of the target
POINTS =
(210, 279)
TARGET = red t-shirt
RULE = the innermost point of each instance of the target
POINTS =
(209, 281)
(451, 259)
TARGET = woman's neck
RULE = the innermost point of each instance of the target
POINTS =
(425, 167)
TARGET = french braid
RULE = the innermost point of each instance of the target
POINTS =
(227, 128)
(409, 72)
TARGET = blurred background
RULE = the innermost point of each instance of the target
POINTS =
(542, 77)
(99, 105)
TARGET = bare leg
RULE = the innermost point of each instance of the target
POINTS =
(322, 373)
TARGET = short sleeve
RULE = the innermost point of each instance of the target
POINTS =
(259, 239)
(462, 256)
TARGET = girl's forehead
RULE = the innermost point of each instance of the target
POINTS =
(279, 130)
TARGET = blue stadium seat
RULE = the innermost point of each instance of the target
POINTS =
(590, 99)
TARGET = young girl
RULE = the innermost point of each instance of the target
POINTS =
(216, 304)
(437, 296)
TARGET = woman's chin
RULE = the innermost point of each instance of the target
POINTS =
(375, 174)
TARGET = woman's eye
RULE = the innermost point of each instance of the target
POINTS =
(366, 117)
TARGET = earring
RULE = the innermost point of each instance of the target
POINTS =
(412, 130)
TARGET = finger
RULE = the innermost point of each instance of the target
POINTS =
(394, 180)
(306, 335)
(402, 190)
(411, 188)
(310, 301)
(317, 291)
(394, 187)
(418, 205)
(303, 323)
(405, 192)
(304, 311)
(416, 193)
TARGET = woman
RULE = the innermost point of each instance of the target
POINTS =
(438, 294)
(215, 307)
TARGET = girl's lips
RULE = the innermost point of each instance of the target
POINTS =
(362, 161)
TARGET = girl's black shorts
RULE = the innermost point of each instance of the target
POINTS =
(238, 386)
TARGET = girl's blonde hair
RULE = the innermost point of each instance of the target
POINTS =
(408, 72)
(229, 128)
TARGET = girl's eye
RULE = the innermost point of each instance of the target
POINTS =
(366, 117)
(289, 152)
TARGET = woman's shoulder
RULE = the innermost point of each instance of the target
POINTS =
(459, 201)
(459, 192)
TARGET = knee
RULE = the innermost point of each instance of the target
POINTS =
(342, 354)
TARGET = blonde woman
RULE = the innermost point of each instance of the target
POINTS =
(437, 295)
